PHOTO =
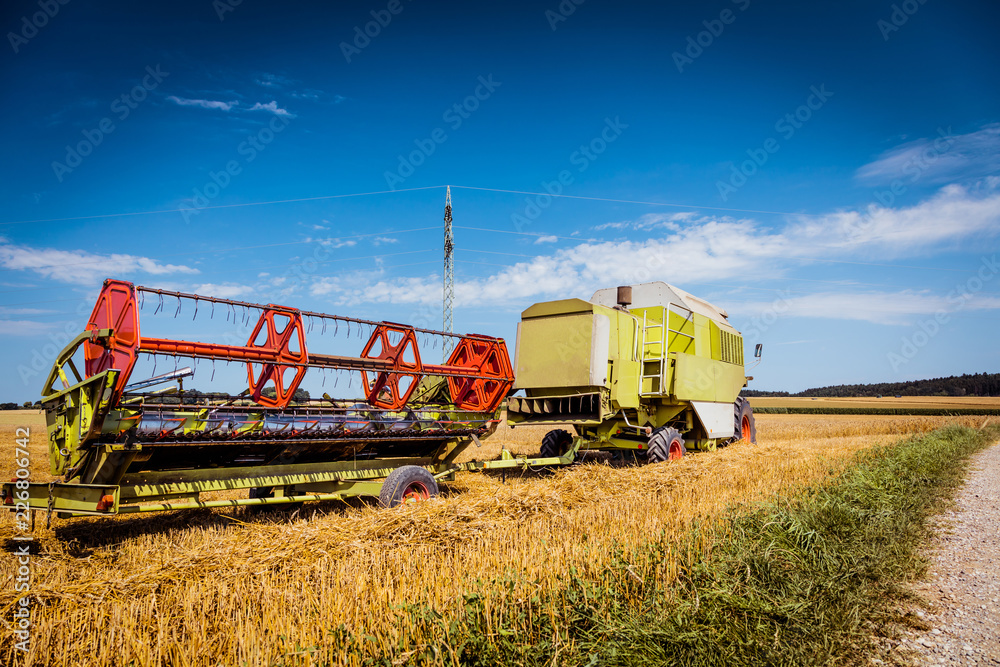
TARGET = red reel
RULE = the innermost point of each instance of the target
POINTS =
(486, 357)
(116, 309)
(390, 390)
(278, 330)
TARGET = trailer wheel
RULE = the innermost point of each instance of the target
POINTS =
(746, 428)
(409, 484)
(555, 443)
(666, 444)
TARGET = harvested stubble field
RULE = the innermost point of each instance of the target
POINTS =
(237, 588)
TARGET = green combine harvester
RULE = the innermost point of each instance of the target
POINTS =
(645, 369)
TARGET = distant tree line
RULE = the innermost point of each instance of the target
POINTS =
(979, 384)
(27, 405)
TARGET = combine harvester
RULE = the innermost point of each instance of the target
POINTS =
(652, 352)
(672, 363)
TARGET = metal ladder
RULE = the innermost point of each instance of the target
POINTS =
(659, 378)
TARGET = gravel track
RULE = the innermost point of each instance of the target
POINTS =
(962, 623)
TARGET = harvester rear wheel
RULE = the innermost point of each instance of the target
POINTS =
(409, 484)
(555, 443)
(746, 428)
(665, 444)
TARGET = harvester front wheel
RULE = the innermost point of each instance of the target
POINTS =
(746, 429)
(409, 484)
(555, 443)
(665, 444)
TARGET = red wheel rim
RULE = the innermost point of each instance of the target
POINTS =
(415, 493)
(745, 429)
(675, 450)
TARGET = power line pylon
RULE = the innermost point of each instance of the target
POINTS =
(449, 276)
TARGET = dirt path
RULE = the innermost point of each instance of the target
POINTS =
(963, 584)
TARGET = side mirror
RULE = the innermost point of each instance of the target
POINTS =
(758, 350)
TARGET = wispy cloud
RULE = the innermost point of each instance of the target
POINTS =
(5, 311)
(901, 307)
(274, 80)
(224, 290)
(78, 267)
(546, 239)
(940, 159)
(204, 104)
(219, 105)
(332, 242)
(271, 107)
(24, 327)
(382, 240)
(693, 248)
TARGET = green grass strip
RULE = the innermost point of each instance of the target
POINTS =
(802, 580)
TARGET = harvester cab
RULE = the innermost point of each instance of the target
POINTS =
(645, 368)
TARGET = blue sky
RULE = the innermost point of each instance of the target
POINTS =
(829, 173)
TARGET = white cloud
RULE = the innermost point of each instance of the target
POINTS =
(902, 307)
(223, 290)
(546, 239)
(381, 240)
(4, 311)
(274, 80)
(24, 327)
(204, 104)
(953, 214)
(271, 107)
(80, 267)
(698, 248)
(332, 242)
(942, 158)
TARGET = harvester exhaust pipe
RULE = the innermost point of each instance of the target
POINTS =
(624, 296)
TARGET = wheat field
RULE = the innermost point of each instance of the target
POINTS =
(234, 587)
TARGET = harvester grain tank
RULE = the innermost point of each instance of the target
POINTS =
(647, 368)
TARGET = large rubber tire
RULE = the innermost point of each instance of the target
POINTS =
(746, 428)
(555, 443)
(409, 484)
(665, 444)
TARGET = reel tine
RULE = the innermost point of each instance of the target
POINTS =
(178, 308)
(195, 310)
